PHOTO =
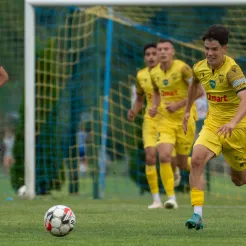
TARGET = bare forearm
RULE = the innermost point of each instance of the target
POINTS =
(241, 112)
(137, 107)
(193, 94)
(156, 99)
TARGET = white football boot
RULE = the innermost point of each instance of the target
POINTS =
(171, 204)
(155, 204)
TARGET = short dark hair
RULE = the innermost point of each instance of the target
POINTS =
(217, 32)
(147, 46)
(165, 41)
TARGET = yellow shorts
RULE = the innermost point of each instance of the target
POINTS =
(233, 148)
(174, 134)
(149, 133)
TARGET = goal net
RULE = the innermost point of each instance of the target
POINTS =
(86, 62)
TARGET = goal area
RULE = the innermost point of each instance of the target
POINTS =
(81, 59)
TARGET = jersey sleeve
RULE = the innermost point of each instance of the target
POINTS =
(194, 74)
(187, 74)
(139, 89)
(236, 78)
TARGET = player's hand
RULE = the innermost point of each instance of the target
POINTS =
(131, 115)
(153, 112)
(185, 122)
(172, 107)
(226, 129)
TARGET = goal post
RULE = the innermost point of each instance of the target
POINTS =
(30, 61)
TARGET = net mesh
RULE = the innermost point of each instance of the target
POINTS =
(71, 49)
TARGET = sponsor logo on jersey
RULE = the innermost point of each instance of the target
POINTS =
(169, 93)
(217, 98)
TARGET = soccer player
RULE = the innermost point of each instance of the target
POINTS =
(225, 125)
(3, 76)
(144, 88)
(171, 80)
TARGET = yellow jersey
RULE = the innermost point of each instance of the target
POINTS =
(173, 87)
(221, 86)
(145, 87)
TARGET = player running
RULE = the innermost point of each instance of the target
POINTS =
(171, 80)
(144, 88)
(225, 125)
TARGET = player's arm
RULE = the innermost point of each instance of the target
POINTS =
(156, 99)
(195, 91)
(138, 103)
(3, 76)
(236, 77)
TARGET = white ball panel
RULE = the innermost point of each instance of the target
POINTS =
(64, 229)
(55, 223)
(58, 213)
(55, 232)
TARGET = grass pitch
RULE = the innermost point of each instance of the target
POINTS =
(115, 221)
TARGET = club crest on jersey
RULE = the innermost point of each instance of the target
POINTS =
(212, 83)
(174, 76)
(221, 78)
(165, 82)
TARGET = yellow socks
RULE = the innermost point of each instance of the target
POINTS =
(152, 178)
(197, 197)
(197, 200)
(167, 178)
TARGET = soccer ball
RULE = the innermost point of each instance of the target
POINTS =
(21, 192)
(59, 220)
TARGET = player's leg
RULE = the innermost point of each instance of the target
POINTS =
(201, 155)
(152, 177)
(234, 152)
(206, 147)
(184, 145)
(238, 177)
(175, 168)
(149, 139)
(166, 172)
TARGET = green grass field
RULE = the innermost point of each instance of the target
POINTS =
(117, 221)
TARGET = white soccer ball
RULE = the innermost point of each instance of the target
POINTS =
(59, 220)
(21, 192)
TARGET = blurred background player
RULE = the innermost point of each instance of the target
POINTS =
(82, 138)
(144, 88)
(171, 80)
(8, 145)
(225, 124)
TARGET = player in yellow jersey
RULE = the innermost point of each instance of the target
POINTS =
(224, 130)
(145, 89)
(171, 79)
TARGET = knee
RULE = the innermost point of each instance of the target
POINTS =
(150, 159)
(237, 181)
(197, 162)
(165, 158)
